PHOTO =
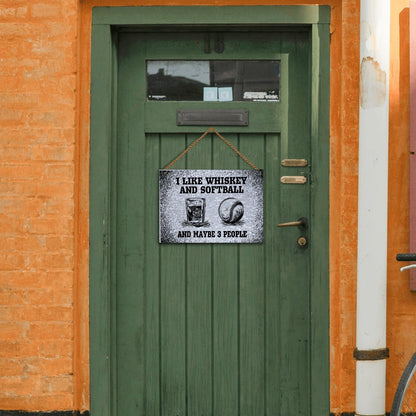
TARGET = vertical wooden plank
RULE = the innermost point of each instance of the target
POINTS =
(294, 282)
(319, 292)
(100, 312)
(113, 225)
(272, 274)
(275, 146)
(130, 212)
(225, 307)
(412, 173)
(293, 304)
(152, 283)
(199, 302)
(172, 305)
(251, 304)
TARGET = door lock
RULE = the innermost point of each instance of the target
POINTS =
(302, 241)
(301, 222)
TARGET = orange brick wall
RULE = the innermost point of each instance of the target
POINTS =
(37, 171)
(44, 136)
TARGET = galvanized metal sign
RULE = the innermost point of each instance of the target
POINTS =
(210, 206)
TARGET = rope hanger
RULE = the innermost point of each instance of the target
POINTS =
(211, 130)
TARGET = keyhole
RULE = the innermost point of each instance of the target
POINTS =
(302, 241)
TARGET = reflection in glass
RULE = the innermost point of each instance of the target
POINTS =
(186, 80)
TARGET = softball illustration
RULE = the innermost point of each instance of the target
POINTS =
(231, 210)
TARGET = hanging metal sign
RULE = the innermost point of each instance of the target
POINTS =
(210, 206)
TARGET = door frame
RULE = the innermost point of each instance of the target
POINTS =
(106, 22)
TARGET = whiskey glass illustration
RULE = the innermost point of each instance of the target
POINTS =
(195, 210)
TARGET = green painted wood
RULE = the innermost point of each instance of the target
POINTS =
(173, 344)
(251, 303)
(185, 313)
(273, 262)
(130, 254)
(113, 227)
(320, 225)
(263, 117)
(152, 365)
(225, 305)
(294, 282)
(199, 303)
(100, 332)
(202, 15)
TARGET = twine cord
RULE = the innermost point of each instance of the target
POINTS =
(211, 130)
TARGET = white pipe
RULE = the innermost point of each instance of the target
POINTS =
(372, 203)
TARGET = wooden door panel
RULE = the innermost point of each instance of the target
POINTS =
(218, 329)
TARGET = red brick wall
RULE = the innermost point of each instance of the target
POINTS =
(37, 136)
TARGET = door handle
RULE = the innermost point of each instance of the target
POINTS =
(301, 222)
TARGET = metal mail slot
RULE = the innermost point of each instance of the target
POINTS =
(212, 117)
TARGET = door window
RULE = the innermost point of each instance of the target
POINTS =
(213, 80)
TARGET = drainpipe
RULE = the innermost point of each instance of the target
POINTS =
(371, 351)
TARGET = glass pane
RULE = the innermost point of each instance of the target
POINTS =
(213, 80)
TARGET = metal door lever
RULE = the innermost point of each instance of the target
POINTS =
(301, 222)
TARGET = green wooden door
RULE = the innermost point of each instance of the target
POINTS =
(211, 329)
